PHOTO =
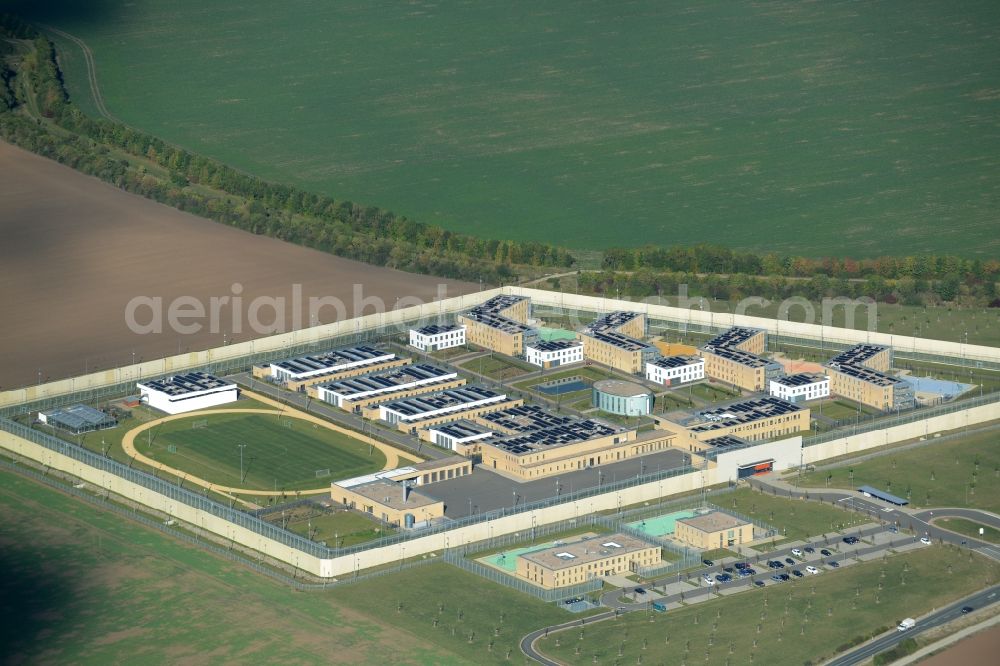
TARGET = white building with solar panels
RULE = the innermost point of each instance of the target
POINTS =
(673, 370)
(436, 337)
(801, 387)
(188, 392)
(554, 353)
(386, 383)
(303, 367)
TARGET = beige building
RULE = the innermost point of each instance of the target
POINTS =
(871, 387)
(713, 530)
(580, 561)
(754, 420)
(875, 357)
(743, 338)
(739, 368)
(390, 502)
(617, 350)
(500, 324)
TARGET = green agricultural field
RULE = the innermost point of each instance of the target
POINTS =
(793, 518)
(280, 454)
(818, 128)
(801, 622)
(94, 588)
(959, 472)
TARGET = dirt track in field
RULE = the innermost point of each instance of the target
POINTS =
(74, 251)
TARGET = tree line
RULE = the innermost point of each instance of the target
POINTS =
(705, 258)
(367, 233)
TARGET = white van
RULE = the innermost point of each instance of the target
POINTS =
(908, 623)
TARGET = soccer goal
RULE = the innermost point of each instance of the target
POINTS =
(321, 473)
(200, 423)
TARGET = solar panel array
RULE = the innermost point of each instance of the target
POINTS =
(190, 382)
(801, 379)
(499, 303)
(866, 374)
(435, 329)
(386, 379)
(496, 321)
(739, 356)
(745, 412)
(331, 359)
(461, 429)
(676, 361)
(619, 340)
(555, 345)
(561, 435)
(734, 336)
(613, 320)
(857, 354)
(525, 418)
(444, 399)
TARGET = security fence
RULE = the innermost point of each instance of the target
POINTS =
(876, 422)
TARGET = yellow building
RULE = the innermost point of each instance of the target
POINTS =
(870, 387)
(743, 338)
(500, 324)
(531, 443)
(580, 561)
(875, 357)
(713, 530)
(391, 502)
(739, 368)
(754, 420)
(617, 350)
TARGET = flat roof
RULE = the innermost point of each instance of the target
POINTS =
(714, 521)
(392, 494)
(493, 320)
(881, 494)
(76, 417)
(677, 361)
(461, 429)
(552, 437)
(440, 462)
(745, 411)
(500, 302)
(436, 329)
(555, 345)
(331, 359)
(586, 551)
(734, 336)
(619, 340)
(866, 374)
(801, 379)
(621, 388)
(441, 400)
(739, 356)
(386, 380)
(858, 354)
(191, 382)
(524, 418)
(613, 320)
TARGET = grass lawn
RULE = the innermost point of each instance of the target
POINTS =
(794, 519)
(938, 474)
(969, 528)
(548, 150)
(340, 529)
(453, 609)
(717, 554)
(497, 367)
(712, 392)
(281, 454)
(93, 588)
(800, 622)
(836, 409)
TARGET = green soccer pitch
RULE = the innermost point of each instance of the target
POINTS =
(278, 453)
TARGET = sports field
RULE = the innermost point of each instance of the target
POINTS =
(816, 128)
(277, 454)
(799, 622)
(960, 472)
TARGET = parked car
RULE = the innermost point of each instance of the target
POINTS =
(811, 569)
(834, 565)
(759, 583)
(640, 590)
(708, 563)
(851, 540)
(742, 565)
(797, 573)
(751, 572)
(784, 576)
(744, 573)
(776, 578)
(967, 609)
(797, 552)
(809, 549)
(925, 541)
(824, 553)
(789, 560)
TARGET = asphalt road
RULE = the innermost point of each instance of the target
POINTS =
(979, 600)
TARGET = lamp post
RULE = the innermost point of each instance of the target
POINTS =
(241, 447)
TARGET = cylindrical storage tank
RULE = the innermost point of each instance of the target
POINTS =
(408, 520)
(617, 396)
